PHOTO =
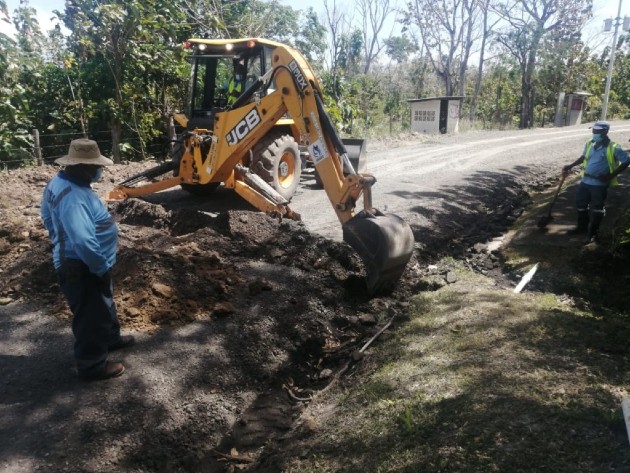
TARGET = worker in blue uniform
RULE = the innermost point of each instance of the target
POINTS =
(85, 238)
(602, 161)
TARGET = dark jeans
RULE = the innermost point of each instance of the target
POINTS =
(95, 323)
(591, 198)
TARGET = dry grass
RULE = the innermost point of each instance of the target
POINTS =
(480, 379)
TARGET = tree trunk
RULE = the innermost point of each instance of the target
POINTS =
(482, 52)
(524, 102)
(116, 124)
(116, 139)
(527, 89)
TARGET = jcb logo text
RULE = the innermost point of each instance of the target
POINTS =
(242, 128)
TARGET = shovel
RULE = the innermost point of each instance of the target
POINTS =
(546, 219)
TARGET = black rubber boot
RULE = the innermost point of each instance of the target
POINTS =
(582, 223)
(593, 228)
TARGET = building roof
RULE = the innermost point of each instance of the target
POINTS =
(448, 97)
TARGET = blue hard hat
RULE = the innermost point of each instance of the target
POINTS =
(601, 127)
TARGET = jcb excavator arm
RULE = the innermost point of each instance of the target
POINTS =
(384, 242)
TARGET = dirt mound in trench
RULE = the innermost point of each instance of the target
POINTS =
(285, 305)
(181, 264)
(285, 287)
(177, 265)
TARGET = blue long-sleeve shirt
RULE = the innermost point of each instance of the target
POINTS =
(597, 163)
(79, 225)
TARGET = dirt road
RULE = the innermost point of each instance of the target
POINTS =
(425, 181)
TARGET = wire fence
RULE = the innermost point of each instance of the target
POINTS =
(46, 148)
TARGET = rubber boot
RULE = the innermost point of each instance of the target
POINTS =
(582, 223)
(596, 220)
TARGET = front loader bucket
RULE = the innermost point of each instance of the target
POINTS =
(356, 149)
(384, 243)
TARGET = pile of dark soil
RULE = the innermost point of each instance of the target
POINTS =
(291, 301)
(179, 265)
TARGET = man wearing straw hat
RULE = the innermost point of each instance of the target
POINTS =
(85, 238)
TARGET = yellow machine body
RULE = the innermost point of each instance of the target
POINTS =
(286, 97)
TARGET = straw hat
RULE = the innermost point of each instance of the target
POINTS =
(84, 151)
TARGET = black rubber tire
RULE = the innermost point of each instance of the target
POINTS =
(276, 159)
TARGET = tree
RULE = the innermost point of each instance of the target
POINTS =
(14, 121)
(499, 94)
(529, 21)
(268, 20)
(399, 48)
(337, 25)
(311, 38)
(564, 64)
(117, 41)
(485, 28)
(446, 33)
(21, 63)
(241, 19)
(373, 15)
(621, 77)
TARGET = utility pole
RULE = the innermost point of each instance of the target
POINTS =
(611, 63)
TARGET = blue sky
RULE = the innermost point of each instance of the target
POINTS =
(602, 9)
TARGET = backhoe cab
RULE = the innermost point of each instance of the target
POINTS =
(253, 103)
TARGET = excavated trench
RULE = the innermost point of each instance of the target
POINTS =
(320, 285)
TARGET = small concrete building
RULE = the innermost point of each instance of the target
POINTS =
(570, 107)
(434, 115)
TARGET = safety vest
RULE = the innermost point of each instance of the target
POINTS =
(610, 156)
(234, 90)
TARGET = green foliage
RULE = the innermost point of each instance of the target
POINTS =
(368, 102)
(19, 73)
(529, 24)
(311, 38)
(399, 48)
(562, 68)
(131, 46)
(499, 96)
(336, 102)
(620, 84)
(350, 53)
(122, 70)
(241, 19)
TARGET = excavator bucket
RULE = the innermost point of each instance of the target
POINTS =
(385, 243)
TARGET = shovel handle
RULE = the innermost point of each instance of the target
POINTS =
(562, 178)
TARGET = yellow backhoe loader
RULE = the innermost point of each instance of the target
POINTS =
(251, 143)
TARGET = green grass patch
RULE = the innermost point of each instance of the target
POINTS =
(480, 379)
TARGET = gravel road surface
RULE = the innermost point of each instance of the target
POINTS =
(420, 179)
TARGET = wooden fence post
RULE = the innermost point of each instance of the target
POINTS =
(37, 149)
